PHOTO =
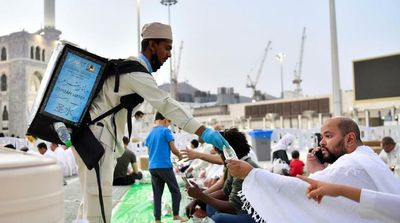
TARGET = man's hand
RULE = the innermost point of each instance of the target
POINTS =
(191, 154)
(189, 170)
(238, 168)
(313, 164)
(180, 155)
(191, 208)
(194, 190)
(215, 138)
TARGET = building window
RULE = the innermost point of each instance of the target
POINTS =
(43, 55)
(5, 114)
(32, 52)
(37, 53)
(3, 85)
(3, 54)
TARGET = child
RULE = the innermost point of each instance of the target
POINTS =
(161, 143)
(296, 165)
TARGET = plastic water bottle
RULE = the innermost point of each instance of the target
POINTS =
(63, 133)
(229, 153)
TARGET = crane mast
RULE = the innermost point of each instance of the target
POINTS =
(175, 72)
(256, 96)
(297, 72)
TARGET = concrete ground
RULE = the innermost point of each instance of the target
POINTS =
(72, 197)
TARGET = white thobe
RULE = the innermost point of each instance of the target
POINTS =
(62, 159)
(381, 206)
(277, 198)
(198, 164)
(145, 85)
(392, 159)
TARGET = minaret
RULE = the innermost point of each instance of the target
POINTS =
(49, 14)
(50, 31)
(336, 91)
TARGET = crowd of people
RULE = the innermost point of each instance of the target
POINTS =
(356, 184)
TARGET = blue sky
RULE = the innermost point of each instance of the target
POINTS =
(224, 40)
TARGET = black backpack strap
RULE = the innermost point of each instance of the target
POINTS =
(97, 169)
(123, 67)
(107, 113)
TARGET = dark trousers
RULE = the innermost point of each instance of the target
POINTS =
(220, 217)
(158, 179)
(128, 179)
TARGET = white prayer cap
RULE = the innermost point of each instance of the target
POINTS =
(156, 30)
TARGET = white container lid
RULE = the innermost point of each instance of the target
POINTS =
(10, 158)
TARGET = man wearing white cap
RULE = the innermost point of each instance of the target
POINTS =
(156, 49)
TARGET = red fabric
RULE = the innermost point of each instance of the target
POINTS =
(296, 167)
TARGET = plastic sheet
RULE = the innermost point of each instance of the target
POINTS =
(136, 206)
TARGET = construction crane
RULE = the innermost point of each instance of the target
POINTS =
(297, 71)
(252, 84)
(174, 74)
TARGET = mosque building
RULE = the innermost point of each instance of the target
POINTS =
(23, 60)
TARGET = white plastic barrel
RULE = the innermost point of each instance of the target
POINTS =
(30, 188)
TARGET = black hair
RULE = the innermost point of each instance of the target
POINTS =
(347, 125)
(42, 145)
(125, 140)
(237, 140)
(139, 113)
(24, 149)
(295, 154)
(159, 116)
(195, 143)
(388, 141)
(146, 42)
(10, 146)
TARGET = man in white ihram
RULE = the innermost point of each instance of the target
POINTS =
(276, 198)
(390, 154)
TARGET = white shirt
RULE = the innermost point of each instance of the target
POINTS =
(136, 129)
(381, 206)
(199, 164)
(278, 198)
(392, 159)
(51, 154)
(71, 161)
(62, 159)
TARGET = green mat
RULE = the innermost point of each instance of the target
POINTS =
(136, 207)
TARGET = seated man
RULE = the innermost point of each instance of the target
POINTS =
(121, 175)
(275, 198)
(390, 154)
(225, 205)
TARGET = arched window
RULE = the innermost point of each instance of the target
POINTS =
(3, 54)
(43, 55)
(3, 84)
(32, 52)
(5, 114)
(37, 53)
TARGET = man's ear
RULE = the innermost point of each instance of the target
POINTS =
(350, 138)
(153, 46)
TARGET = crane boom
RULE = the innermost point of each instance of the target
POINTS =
(174, 75)
(252, 84)
(303, 38)
(297, 72)
(262, 62)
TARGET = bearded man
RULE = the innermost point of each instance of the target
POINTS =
(276, 198)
